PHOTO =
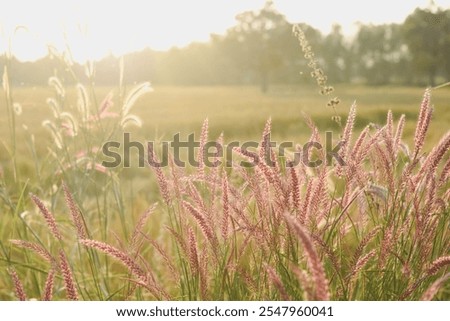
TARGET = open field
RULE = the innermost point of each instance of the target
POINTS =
(248, 248)
(241, 112)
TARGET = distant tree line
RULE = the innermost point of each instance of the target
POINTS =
(261, 50)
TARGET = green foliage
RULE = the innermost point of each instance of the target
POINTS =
(381, 54)
(427, 33)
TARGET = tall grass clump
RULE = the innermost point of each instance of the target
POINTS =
(66, 160)
(372, 225)
(373, 228)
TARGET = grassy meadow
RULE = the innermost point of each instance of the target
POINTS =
(241, 112)
(377, 229)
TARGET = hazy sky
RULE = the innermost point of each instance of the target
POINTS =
(96, 28)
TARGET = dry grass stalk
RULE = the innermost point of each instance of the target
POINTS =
(214, 178)
(277, 282)
(316, 72)
(77, 218)
(432, 269)
(328, 251)
(389, 136)
(194, 193)
(134, 95)
(178, 238)
(18, 286)
(435, 157)
(49, 218)
(410, 289)
(399, 134)
(248, 280)
(320, 279)
(347, 137)
(201, 151)
(387, 168)
(71, 290)
(306, 202)
(203, 269)
(169, 261)
(202, 222)
(295, 187)
(193, 256)
(176, 177)
(48, 287)
(431, 292)
(225, 206)
(361, 263)
(445, 174)
(305, 282)
(152, 286)
(318, 196)
(359, 250)
(437, 264)
(35, 248)
(386, 245)
(161, 178)
(430, 197)
(264, 144)
(128, 262)
(139, 226)
(357, 147)
(368, 146)
(423, 123)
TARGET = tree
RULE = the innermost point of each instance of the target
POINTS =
(254, 43)
(427, 34)
(379, 53)
(336, 56)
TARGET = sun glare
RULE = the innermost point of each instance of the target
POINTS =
(96, 29)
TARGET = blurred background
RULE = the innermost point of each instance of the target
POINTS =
(230, 43)
(236, 63)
